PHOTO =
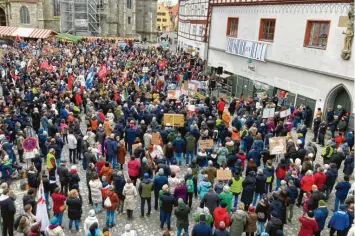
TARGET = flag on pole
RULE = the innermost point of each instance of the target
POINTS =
(90, 78)
(41, 212)
(102, 71)
(70, 81)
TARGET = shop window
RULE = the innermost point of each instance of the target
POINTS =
(267, 29)
(232, 27)
(317, 34)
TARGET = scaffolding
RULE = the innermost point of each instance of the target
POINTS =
(80, 17)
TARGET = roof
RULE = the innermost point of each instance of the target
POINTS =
(8, 31)
(174, 10)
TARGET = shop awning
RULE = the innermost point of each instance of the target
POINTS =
(8, 31)
(69, 37)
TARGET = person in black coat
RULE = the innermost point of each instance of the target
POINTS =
(63, 174)
(259, 186)
(331, 177)
(30, 198)
(79, 139)
(74, 178)
(276, 205)
(274, 224)
(338, 157)
(32, 178)
(316, 196)
(321, 133)
(249, 185)
(119, 182)
(74, 203)
(167, 204)
(37, 162)
(8, 211)
(316, 124)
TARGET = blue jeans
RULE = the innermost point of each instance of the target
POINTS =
(165, 216)
(110, 217)
(256, 195)
(97, 207)
(236, 195)
(76, 224)
(178, 233)
(59, 217)
(278, 183)
(336, 203)
(260, 227)
(57, 162)
(178, 156)
(189, 156)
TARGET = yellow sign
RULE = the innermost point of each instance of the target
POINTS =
(174, 119)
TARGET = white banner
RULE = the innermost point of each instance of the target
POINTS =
(245, 48)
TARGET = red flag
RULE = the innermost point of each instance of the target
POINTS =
(102, 71)
(70, 81)
(161, 64)
(44, 64)
(17, 38)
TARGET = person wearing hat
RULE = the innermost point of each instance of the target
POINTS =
(274, 224)
(202, 229)
(51, 162)
(129, 231)
(90, 220)
(320, 215)
(182, 217)
(35, 229)
(221, 214)
(145, 191)
(54, 229)
(159, 181)
(110, 204)
(252, 218)
(308, 224)
(226, 196)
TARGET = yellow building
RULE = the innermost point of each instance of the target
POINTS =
(164, 23)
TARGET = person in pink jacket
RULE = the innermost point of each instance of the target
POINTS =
(133, 169)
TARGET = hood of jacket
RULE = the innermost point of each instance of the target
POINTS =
(3, 197)
(205, 183)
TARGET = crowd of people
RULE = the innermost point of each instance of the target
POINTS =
(107, 104)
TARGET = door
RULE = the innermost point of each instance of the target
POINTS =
(2, 17)
(306, 102)
(343, 99)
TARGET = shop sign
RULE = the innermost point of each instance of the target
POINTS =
(245, 48)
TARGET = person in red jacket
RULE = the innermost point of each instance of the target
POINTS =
(280, 172)
(221, 214)
(308, 224)
(58, 204)
(133, 169)
(78, 100)
(319, 178)
(110, 205)
(220, 106)
(305, 185)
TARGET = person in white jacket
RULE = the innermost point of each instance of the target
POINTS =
(72, 144)
(110, 116)
(90, 220)
(96, 195)
(129, 231)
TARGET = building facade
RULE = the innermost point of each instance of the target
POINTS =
(304, 49)
(164, 22)
(125, 18)
(192, 26)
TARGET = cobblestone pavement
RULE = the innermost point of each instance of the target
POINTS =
(151, 226)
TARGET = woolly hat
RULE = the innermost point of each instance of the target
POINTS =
(127, 227)
(54, 220)
(146, 175)
(310, 155)
(74, 167)
(36, 227)
(264, 234)
(222, 225)
(274, 214)
(180, 201)
(144, 160)
(226, 188)
(310, 214)
(189, 170)
(202, 217)
(161, 171)
(321, 203)
(251, 209)
(92, 213)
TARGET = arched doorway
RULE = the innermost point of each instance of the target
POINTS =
(339, 95)
(2, 17)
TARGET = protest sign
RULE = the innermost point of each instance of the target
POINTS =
(172, 94)
(285, 113)
(136, 86)
(268, 112)
(224, 175)
(277, 145)
(174, 119)
(156, 138)
(148, 95)
(205, 144)
(82, 59)
(145, 69)
(186, 85)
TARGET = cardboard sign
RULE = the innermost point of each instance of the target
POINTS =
(145, 69)
(224, 174)
(136, 86)
(186, 85)
(174, 119)
(285, 113)
(205, 144)
(172, 94)
(134, 146)
(191, 108)
(156, 138)
(277, 145)
(148, 95)
(268, 112)
(82, 59)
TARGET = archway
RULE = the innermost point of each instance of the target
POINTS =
(339, 95)
(2, 17)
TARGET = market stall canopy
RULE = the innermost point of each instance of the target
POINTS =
(8, 31)
(69, 37)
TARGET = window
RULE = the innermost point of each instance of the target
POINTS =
(24, 15)
(163, 14)
(129, 4)
(164, 20)
(200, 30)
(232, 27)
(158, 19)
(317, 34)
(202, 10)
(267, 29)
(194, 30)
(129, 20)
(56, 8)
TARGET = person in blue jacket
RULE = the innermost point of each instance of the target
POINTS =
(349, 164)
(339, 222)
(350, 139)
(342, 189)
(130, 137)
(179, 145)
(320, 215)
(159, 180)
(255, 155)
(202, 229)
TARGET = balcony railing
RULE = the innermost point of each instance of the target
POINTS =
(273, 2)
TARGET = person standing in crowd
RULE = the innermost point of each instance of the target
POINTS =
(58, 204)
(145, 191)
(63, 174)
(320, 215)
(110, 204)
(167, 204)
(130, 194)
(8, 211)
(339, 221)
(342, 189)
(74, 203)
(72, 145)
(182, 212)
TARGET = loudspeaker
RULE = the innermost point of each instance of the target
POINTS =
(192, 61)
(189, 74)
(219, 70)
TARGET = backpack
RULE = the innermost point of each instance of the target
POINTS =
(190, 186)
(107, 202)
(17, 221)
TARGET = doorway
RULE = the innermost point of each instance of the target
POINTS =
(2, 17)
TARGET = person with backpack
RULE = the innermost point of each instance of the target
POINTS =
(189, 180)
(182, 217)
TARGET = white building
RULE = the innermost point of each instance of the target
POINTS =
(192, 24)
(290, 45)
